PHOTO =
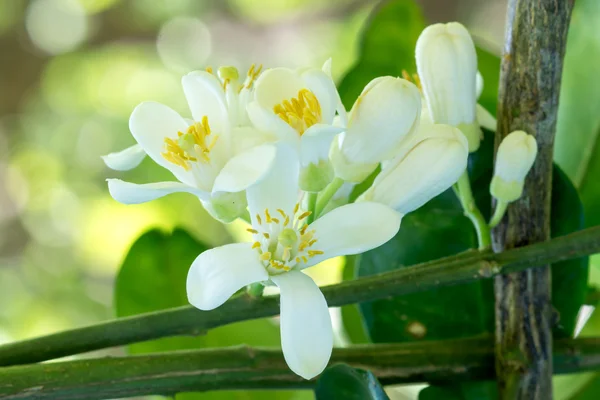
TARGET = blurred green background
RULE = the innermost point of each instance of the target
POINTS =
(71, 71)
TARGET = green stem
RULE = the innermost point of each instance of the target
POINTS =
(465, 195)
(245, 368)
(462, 268)
(499, 212)
(312, 206)
(255, 290)
(327, 194)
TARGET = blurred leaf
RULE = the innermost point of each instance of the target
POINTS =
(569, 278)
(465, 391)
(441, 392)
(387, 46)
(364, 185)
(489, 67)
(153, 277)
(342, 382)
(578, 118)
(589, 391)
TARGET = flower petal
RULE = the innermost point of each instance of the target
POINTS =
(306, 331)
(125, 159)
(486, 119)
(150, 123)
(279, 188)
(429, 168)
(275, 85)
(315, 143)
(216, 274)
(352, 229)
(206, 97)
(322, 86)
(132, 193)
(447, 67)
(267, 121)
(245, 169)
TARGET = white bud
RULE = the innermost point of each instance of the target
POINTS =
(385, 115)
(447, 67)
(516, 154)
(436, 162)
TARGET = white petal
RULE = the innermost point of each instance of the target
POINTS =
(315, 143)
(478, 84)
(447, 67)
(126, 159)
(216, 274)
(246, 137)
(267, 121)
(429, 168)
(150, 123)
(486, 119)
(353, 229)
(324, 89)
(306, 331)
(279, 188)
(516, 154)
(385, 114)
(327, 67)
(132, 193)
(275, 85)
(206, 97)
(245, 169)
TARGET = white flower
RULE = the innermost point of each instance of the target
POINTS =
(447, 67)
(283, 246)
(212, 156)
(384, 116)
(422, 172)
(298, 107)
(515, 157)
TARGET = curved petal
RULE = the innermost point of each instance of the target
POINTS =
(324, 89)
(266, 121)
(315, 143)
(132, 193)
(206, 97)
(247, 137)
(352, 229)
(429, 168)
(478, 84)
(275, 85)
(279, 188)
(216, 274)
(126, 159)
(150, 123)
(245, 169)
(306, 331)
(485, 118)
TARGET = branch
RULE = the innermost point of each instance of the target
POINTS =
(461, 268)
(245, 368)
(536, 35)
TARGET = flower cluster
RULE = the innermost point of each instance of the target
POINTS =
(277, 149)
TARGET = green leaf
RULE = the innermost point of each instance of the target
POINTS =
(489, 67)
(465, 391)
(569, 278)
(578, 117)
(153, 277)
(352, 320)
(387, 46)
(342, 382)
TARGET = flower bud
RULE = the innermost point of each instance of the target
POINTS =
(447, 67)
(435, 163)
(514, 159)
(384, 115)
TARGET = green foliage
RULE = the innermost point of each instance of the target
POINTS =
(578, 124)
(153, 277)
(342, 382)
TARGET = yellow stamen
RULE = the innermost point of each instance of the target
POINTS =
(209, 70)
(304, 215)
(256, 245)
(296, 207)
(258, 219)
(297, 259)
(287, 221)
(253, 74)
(312, 253)
(280, 211)
(304, 259)
(303, 230)
(252, 230)
(286, 254)
(266, 235)
(312, 242)
(268, 216)
(265, 256)
(301, 112)
(276, 220)
(191, 146)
